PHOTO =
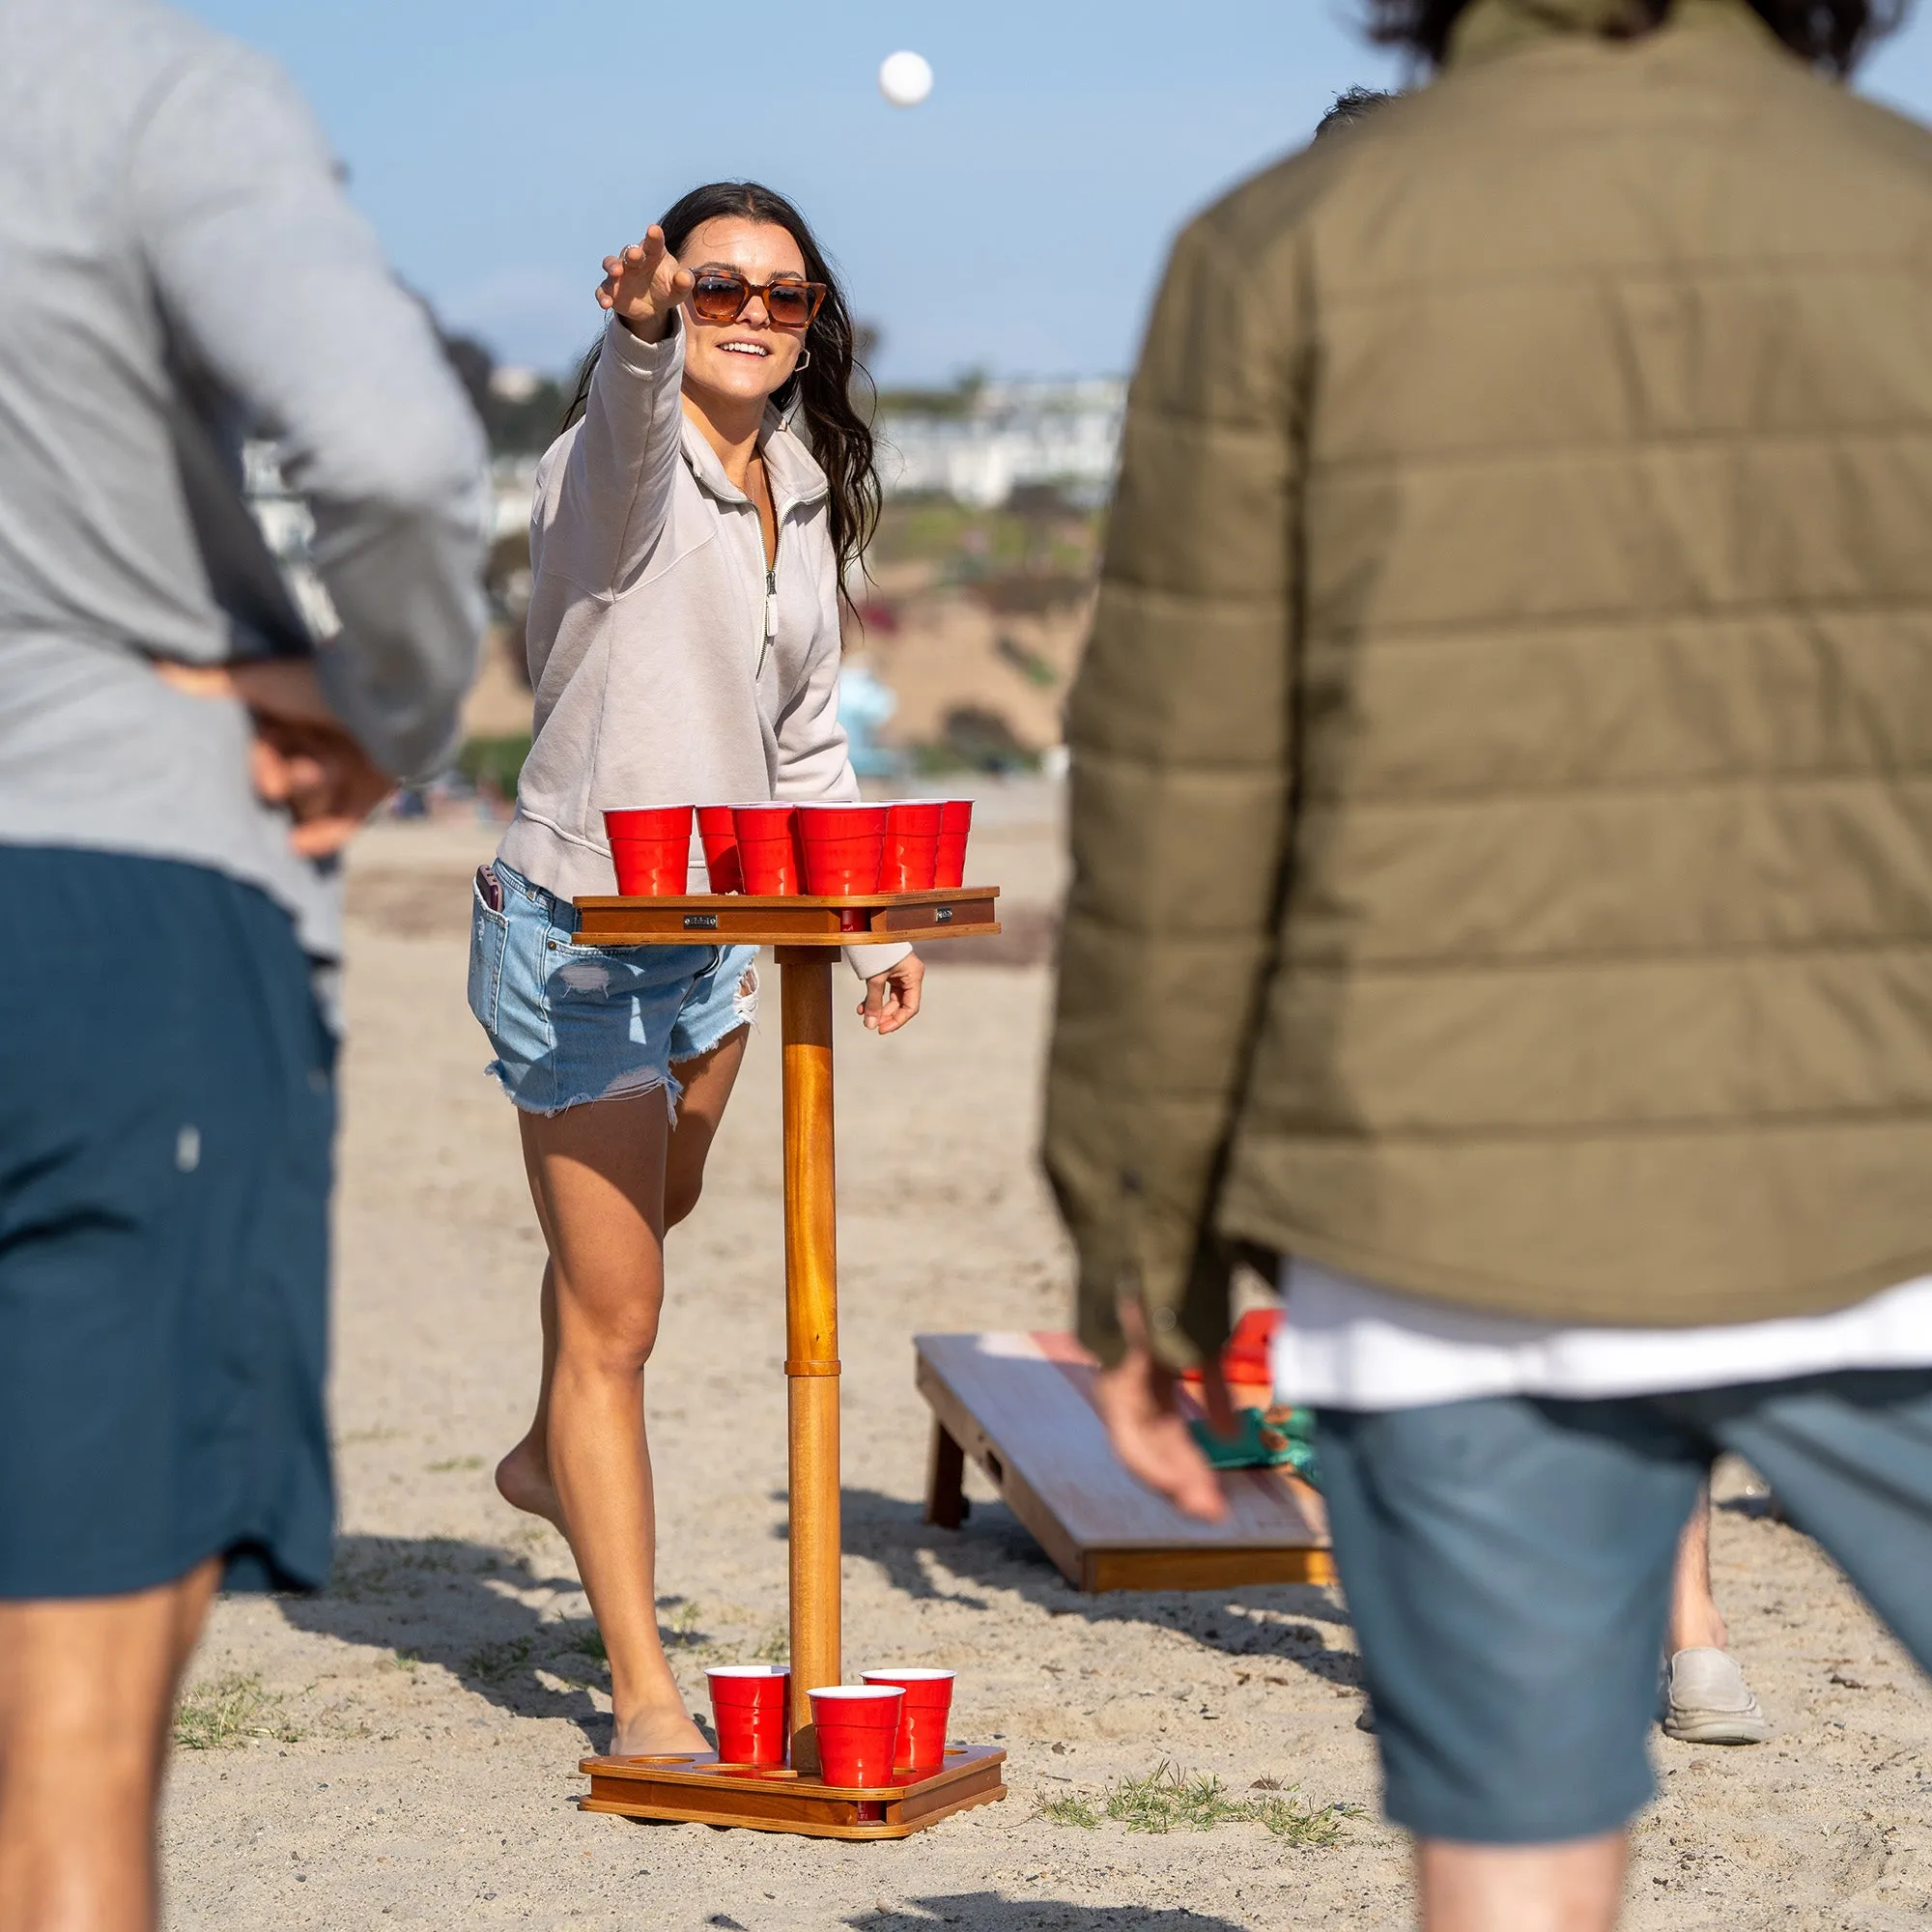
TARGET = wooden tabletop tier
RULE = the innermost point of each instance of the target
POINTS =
(745, 919)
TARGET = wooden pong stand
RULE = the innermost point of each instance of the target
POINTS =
(807, 933)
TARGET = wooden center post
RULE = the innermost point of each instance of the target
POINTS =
(811, 1336)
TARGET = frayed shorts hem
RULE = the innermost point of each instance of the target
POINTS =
(573, 1025)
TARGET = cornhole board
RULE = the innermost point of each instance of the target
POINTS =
(1021, 1406)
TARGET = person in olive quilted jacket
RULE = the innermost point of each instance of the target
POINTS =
(1502, 886)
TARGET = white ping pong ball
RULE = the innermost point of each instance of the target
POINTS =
(905, 79)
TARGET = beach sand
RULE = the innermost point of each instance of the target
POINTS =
(409, 1741)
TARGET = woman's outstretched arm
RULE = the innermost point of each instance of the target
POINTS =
(615, 491)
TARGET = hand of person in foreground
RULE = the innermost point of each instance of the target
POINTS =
(644, 283)
(1140, 1402)
(892, 997)
(301, 757)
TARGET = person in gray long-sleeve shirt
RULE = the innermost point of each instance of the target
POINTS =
(181, 762)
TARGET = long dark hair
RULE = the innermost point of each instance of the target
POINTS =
(839, 436)
(1829, 34)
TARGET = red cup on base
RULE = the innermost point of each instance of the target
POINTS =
(718, 830)
(920, 1742)
(749, 1708)
(767, 850)
(857, 1725)
(911, 862)
(842, 847)
(650, 851)
(955, 821)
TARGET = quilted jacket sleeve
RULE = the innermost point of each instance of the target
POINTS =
(1180, 730)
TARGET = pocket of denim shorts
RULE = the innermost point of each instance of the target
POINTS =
(489, 937)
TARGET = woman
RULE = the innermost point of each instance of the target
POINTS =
(691, 528)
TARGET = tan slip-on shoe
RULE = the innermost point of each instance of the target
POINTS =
(1708, 1702)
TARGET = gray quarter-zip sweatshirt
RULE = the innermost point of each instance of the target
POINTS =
(177, 263)
(669, 666)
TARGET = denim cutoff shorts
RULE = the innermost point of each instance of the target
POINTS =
(573, 1023)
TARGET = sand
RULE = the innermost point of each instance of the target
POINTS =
(415, 1731)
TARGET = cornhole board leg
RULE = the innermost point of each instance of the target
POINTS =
(946, 1504)
(1020, 1405)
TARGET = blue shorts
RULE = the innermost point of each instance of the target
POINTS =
(164, 1172)
(1507, 1561)
(574, 1023)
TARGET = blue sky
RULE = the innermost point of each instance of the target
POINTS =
(1016, 222)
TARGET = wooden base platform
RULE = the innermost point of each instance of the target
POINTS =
(701, 1791)
(1021, 1407)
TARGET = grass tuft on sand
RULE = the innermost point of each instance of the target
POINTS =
(223, 1713)
(1168, 1798)
(498, 1663)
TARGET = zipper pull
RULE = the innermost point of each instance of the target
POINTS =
(771, 617)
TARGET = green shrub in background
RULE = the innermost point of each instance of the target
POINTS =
(494, 763)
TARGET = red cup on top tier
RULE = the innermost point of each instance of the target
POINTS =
(911, 862)
(651, 850)
(920, 1742)
(842, 847)
(955, 821)
(718, 832)
(857, 1725)
(767, 851)
(749, 1709)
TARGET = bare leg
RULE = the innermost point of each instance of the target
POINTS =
(522, 1476)
(1573, 1888)
(1696, 1621)
(598, 1174)
(1706, 1700)
(87, 1691)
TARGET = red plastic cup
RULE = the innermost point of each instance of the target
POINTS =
(651, 850)
(955, 822)
(911, 862)
(747, 1707)
(857, 1725)
(842, 847)
(767, 852)
(718, 832)
(920, 1742)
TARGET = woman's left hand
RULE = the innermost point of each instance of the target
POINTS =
(892, 997)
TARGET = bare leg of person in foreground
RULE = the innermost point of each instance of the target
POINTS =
(608, 1179)
(86, 1694)
(1696, 1621)
(1576, 1887)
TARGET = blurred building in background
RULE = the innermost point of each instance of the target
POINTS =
(994, 437)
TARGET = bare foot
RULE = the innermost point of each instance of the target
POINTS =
(523, 1481)
(657, 1732)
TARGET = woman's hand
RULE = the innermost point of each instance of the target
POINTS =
(644, 285)
(892, 997)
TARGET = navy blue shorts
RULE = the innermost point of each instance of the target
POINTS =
(1508, 1562)
(164, 1172)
